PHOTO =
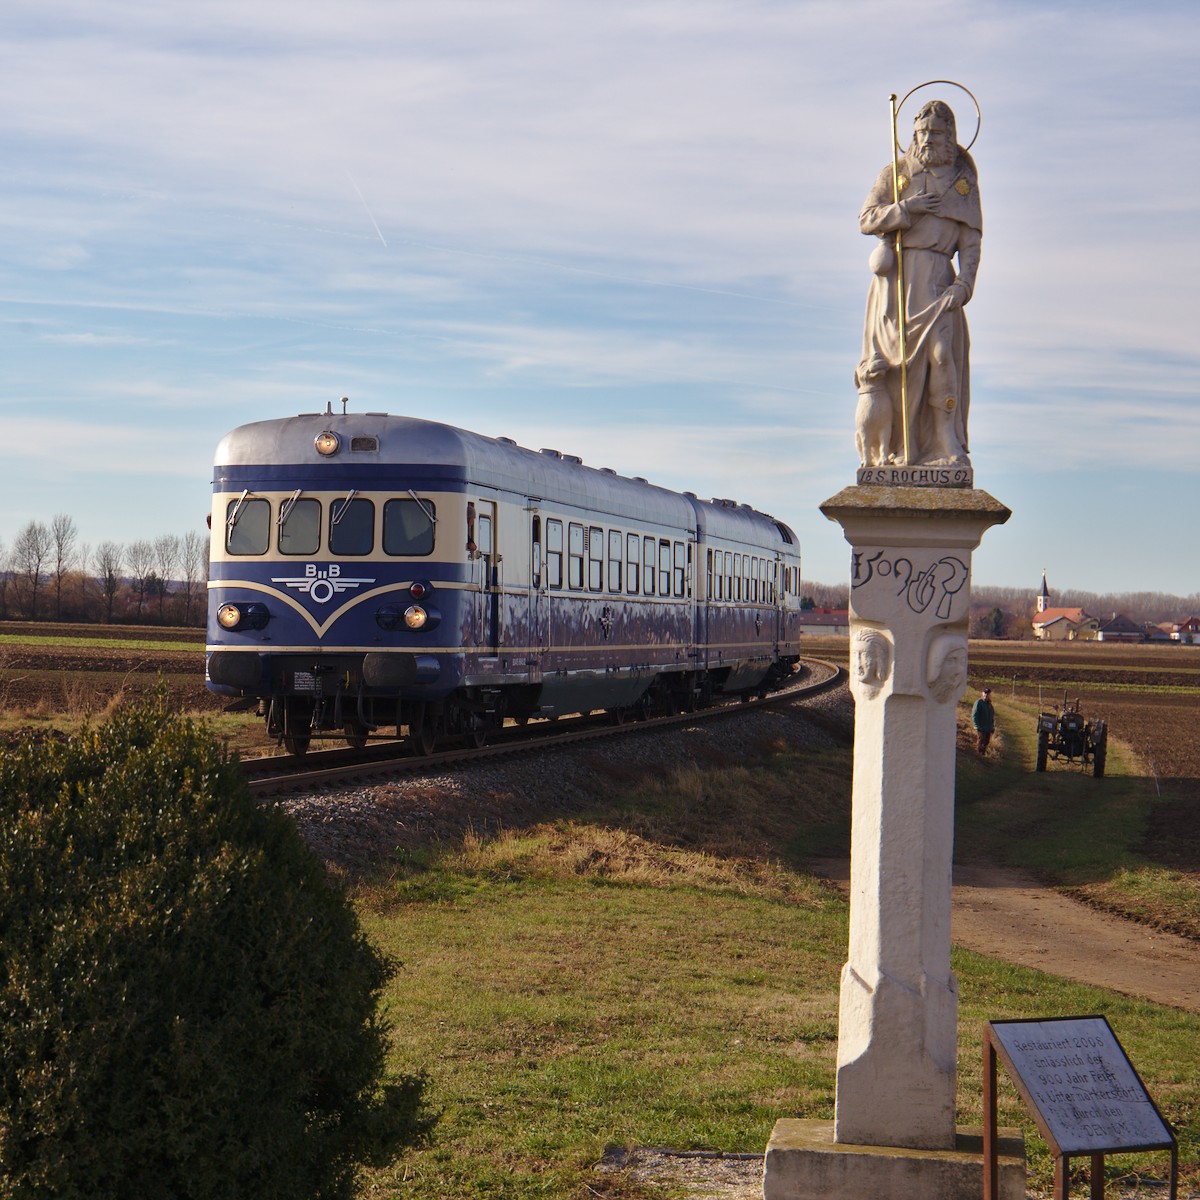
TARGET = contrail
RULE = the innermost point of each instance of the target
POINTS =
(365, 208)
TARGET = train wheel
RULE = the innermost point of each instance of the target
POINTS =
(356, 735)
(477, 737)
(421, 732)
(296, 743)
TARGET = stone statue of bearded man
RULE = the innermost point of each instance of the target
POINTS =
(939, 219)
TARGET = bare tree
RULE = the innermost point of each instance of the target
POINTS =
(63, 536)
(83, 564)
(29, 553)
(193, 549)
(139, 557)
(166, 559)
(109, 560)
(4, 577)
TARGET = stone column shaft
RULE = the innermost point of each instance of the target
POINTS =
(909, 607)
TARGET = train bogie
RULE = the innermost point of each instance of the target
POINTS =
(371, 573)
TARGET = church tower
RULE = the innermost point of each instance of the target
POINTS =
(1043, 600)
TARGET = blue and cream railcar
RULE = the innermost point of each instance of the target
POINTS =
(371, 571)
(748, 611)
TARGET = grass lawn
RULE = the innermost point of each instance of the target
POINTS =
(594, 982)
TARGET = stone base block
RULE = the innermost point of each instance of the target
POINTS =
(805, 1163)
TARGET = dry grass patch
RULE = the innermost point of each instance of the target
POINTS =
(579, 850)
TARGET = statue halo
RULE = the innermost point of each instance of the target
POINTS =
(948, 83)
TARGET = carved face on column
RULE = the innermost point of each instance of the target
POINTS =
(871, 660)
(947, 667)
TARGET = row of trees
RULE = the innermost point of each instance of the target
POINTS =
(47, 573)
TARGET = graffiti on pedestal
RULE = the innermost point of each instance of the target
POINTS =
(929, 588)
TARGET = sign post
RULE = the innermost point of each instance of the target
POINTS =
(1082, 1092)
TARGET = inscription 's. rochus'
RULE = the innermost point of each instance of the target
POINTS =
(953, 477)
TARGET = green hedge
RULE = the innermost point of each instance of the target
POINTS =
(187, 1007)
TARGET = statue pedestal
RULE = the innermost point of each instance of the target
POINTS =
(898, 1017)
(804, 1161)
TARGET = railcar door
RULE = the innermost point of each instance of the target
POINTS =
(538, 598)
(488, 595)
(786, 603)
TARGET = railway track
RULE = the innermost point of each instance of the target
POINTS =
(278, 774)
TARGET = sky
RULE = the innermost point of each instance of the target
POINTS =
(627, 230)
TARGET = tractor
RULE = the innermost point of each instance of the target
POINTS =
(1066, 734)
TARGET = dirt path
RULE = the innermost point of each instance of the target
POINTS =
(1008, 915)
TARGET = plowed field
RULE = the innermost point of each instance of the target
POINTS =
(47, 668)
(1149, 695)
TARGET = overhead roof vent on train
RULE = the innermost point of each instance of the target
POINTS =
(550, 453)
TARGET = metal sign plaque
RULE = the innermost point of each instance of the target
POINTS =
(1076, 1076)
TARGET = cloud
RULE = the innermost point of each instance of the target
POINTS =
(96, 340)
(524, 214)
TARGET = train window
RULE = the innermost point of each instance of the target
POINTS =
(554, 554)
(351, 526)
(575, 556)
(615, 543)
(595, 559)
(678, 572)
(648, 566)
(709, 575)
(633, 560)
(300, 527)
(248, 526)
(737, 576)
(664, 568)
(728, 574)
(485, 535)
(408, 527)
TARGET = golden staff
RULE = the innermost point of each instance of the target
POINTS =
(901, 314)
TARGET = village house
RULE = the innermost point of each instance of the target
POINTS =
(1119, 628)
(834, 621)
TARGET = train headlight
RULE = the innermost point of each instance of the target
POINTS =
(242, 616)
(327, 443)
(413, 618)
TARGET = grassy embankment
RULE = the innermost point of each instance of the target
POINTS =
(664, 972)
(605, 981)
